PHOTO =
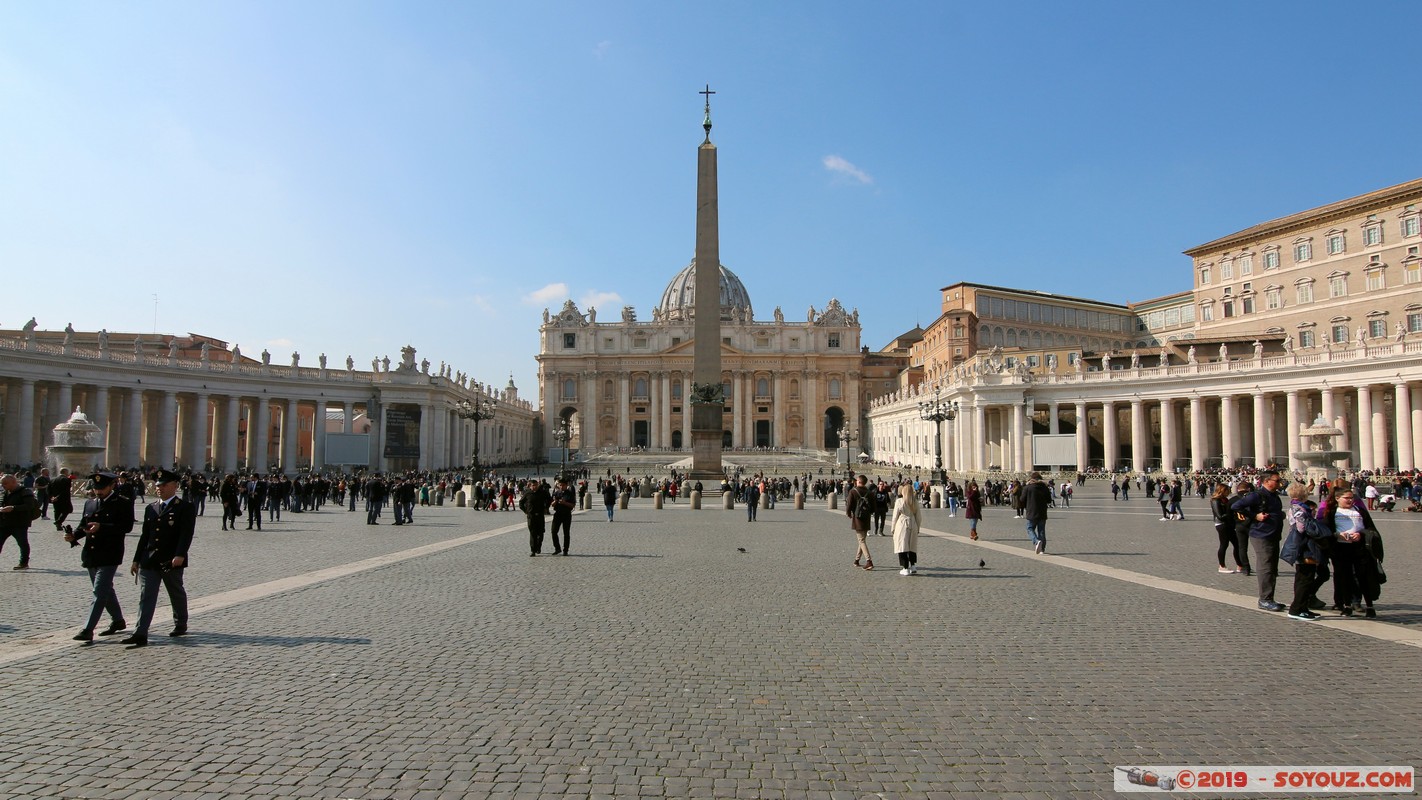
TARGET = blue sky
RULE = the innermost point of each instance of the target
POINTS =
(351, 177)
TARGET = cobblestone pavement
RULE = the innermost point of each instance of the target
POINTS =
(660, 661)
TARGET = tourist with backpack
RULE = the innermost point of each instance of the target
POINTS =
(859, 507)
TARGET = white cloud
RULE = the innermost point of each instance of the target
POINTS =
(602, 300)
(841, 166)
(279, 343)
(601, 49)
(551, 293)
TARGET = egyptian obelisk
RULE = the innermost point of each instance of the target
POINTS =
(707, 408)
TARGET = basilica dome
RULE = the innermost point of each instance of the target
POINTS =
(679, 299)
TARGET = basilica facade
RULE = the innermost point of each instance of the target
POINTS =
(623, 383)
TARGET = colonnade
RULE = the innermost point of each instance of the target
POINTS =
(1188, 429)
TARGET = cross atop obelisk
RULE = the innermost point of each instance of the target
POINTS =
(707, 404)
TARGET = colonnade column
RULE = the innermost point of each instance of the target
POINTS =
(66, 402)
(1379, 422)
(348, 417)
(99, 415)
(1261, 440)
(131, 438)
(1291, 425)
(318, 445)
(1197, 433)
(1167, 436)
(25, 442)
(197, 454)
(664, 420)
(1402, 406)
(230, 418)
(257, 445)
(1139, 450)
(1109, 435)
(427, 437)
(1328, 401)
(979, 436)
(1416, 413)
(1365, 439)
(1229, 431)
(777, 408)
(1083, 437)
(167, 453)
(1053, 422)
(1019, 462)
(624, 421)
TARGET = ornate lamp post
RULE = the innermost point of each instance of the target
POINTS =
(846, 438)
(563, 434)
(479, 409)
(938, 410)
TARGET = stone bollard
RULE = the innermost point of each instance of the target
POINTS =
(728, 501)
(459, 500)
(765, 499)
(937, 493)
(622, 500)
(657, 500)
(834, 501)
(799, 501)
(695, 500)
(585, 502)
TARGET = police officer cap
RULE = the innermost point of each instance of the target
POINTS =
(102, 479)
(165, 476)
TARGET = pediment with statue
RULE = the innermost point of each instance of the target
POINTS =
(834, 316)
(569, 317)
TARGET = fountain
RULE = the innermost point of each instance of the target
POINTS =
(77, 442)
(1321, 457)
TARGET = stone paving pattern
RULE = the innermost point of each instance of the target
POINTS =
(659, 661)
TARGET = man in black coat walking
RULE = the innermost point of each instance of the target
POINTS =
(107, 519)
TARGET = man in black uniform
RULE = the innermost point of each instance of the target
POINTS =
(564, 501)
(18, 508)
(108, 517)
(256, 498)
(534, 504)
(161, 556)
(61, 496)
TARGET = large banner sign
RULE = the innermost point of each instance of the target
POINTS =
(402, 432)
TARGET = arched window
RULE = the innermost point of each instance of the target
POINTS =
(639, 388)
(1011, 338)
(608, 393)
(762, 387)
(794, 388)
(570, 389)
(835, 388)
(726, 387)
(676, 390)
(1037, 340)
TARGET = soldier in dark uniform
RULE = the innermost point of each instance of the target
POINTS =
(107, 519)
(61, 496)
(256, 498)
(534, 504)
(161, 556)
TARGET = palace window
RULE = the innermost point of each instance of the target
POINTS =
(834, 340)
(1271, 259)
(1377, 328)
(1412, 226)
(1207, 312)
(1376, 279)
(570, 341)
(1412, 271)
(1204, 276)
(1274, 297)
(1226, 270)
(1336, 244)
(1246, 265)
(1414, 322)
(1246, 304)
(1340, 333)
(1338, 285)
(1227, 308)
(1306, 338)
(1372, 233)
(1303, 291)
(1303, 250)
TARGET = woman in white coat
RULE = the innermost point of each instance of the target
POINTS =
(905, 524)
